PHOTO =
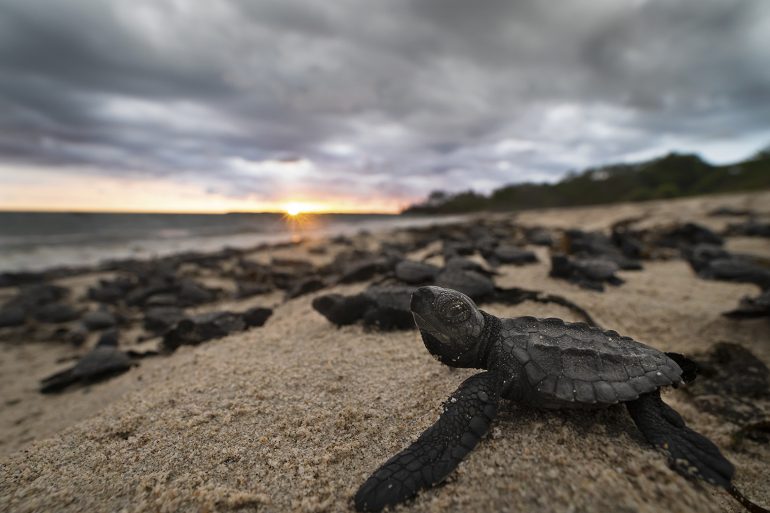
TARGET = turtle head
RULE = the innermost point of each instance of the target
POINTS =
(451, 325)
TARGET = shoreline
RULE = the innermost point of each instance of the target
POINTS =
(243, 241)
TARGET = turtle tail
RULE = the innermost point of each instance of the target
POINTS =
(689, 368)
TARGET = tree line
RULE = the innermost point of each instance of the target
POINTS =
(671, 176)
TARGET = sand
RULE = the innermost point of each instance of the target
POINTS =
(295, 415)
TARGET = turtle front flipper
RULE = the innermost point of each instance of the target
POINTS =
(434, 455)
(57, 382)
(689, 453)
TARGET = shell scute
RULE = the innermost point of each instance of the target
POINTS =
(584, 391)
(601, 366)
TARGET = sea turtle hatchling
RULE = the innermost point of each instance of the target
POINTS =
(545, 363)
(103, 361)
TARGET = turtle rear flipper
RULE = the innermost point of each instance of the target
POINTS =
(689, 453)
(434, 455)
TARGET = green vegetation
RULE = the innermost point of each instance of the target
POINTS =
(671, 176)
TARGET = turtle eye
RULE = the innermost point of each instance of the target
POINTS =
(456, 311)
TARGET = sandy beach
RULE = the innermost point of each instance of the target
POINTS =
(295, 415)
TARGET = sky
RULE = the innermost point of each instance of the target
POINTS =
(354, 105)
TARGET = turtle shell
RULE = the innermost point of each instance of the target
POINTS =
(101, 360)
(577, 363)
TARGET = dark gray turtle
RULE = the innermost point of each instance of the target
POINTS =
(738, 379)
(251, 288)
(342, 310)
(111, 291)
(538, 236)
(688, 235)
(41, 301)
(596, 244)
(471, 283)
(411, 272)
(726, 211)
(12, 316)
(588, 273)
(202, 328)
(111, 337)
(56, 313)
(508, 254)
(545, 363)
(103, 361)
(99, 320)
(366, 269)
(701, 255)
(304, 286)
(383, 307)
(752, 307)
(451, 249)
(387, 307)
(213, 325)
(715, 263)
(751, 228)
(160, 319)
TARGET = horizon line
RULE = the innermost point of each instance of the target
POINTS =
(192, 212)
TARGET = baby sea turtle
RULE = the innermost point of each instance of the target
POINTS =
(413, 273)
(509, 254)
(712, 262)
(382, 307)
(387, 307)
(588, 273)
(752, 307)
(103, 361)
(545, 363)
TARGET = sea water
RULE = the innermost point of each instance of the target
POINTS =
(32, 241)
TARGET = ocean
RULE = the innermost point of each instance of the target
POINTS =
(33, 241)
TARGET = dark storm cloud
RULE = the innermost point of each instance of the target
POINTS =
(393, 98)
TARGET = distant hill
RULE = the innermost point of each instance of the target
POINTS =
(674, 175)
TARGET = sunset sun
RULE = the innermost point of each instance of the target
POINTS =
(295, 209)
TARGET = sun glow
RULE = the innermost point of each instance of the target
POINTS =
(295, 208)
(299, 219)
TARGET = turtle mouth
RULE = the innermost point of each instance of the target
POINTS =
(429, 328)
(438, 343)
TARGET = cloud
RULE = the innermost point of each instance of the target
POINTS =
(388, 98)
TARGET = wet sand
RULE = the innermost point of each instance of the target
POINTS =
(295, 415)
